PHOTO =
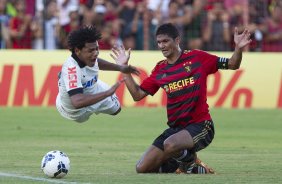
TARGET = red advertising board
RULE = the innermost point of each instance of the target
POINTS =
(29, 78)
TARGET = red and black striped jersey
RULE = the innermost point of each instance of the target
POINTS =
(185, 85)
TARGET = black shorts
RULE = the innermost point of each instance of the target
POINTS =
(202, 134)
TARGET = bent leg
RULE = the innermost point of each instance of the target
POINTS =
(192, 138)
(151, 160)
(155, 157)
(180, 144)
(177, 142)
(201, 135)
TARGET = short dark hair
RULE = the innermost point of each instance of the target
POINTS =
(168, 29)
(86, 34)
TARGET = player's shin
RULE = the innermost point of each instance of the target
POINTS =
(169, 166)
(186, 161)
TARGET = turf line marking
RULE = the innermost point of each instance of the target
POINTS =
(37, 179)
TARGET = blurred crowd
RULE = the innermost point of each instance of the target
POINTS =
(204, 24)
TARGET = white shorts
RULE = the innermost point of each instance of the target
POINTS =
(109, 105)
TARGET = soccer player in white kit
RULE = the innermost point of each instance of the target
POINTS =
(81, 93)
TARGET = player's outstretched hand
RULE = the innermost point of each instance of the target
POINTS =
(129, 69)
(113, 89)
(243, 39)
(119, 54)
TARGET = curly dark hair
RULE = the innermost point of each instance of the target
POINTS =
(78, 38)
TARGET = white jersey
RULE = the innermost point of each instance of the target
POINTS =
(86, 79)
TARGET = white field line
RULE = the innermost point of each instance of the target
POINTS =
(36, 178)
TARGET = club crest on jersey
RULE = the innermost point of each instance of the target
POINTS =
(90, 82)
(187, 66)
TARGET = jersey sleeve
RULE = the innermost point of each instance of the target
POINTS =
(150, 85)
(71, 75)
(212, 62)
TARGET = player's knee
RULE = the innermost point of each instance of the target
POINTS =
(81, 119)
(115, 113)
(169, 147)
(140, 168)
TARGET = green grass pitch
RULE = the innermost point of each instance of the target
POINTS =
(247, 147)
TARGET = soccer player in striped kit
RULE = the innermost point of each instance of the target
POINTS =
(183, 75)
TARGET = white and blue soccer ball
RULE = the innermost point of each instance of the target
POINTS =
(55, 164)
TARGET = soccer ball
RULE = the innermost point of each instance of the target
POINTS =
(55, 164)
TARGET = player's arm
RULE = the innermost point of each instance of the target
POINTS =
(105, 65)
(121, 58)
(79, 99)
(241, 40)
(136, 92)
